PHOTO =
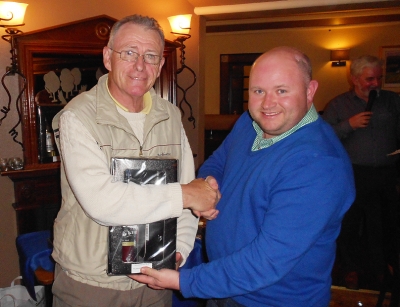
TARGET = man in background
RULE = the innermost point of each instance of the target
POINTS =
(286, 182)
(121, 116)
(370, 136)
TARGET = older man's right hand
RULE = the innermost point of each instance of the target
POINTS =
(201, 195)
(360, 120)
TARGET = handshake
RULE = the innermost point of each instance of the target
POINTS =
(201, 196)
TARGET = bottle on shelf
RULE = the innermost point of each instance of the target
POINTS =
(49, 141)
(51, 151)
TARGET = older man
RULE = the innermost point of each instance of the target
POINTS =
(121, 117)
(286, 182)
(370, 227)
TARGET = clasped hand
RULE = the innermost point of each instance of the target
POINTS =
(202, 196)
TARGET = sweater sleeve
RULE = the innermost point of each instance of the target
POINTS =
(300, 215)
(110, 203)
(215, 164)
(187, 222)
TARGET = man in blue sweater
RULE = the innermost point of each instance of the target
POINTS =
(286, 182)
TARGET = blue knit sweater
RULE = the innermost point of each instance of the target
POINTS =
(273, 243)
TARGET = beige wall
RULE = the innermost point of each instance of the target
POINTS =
(315, 42)
(42, 14)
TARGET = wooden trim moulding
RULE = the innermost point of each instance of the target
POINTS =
(326, 22)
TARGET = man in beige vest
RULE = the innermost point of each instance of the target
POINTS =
(121, 116)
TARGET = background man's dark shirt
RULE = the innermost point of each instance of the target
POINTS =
(372, 144)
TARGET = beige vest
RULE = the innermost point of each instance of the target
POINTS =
(80, 244)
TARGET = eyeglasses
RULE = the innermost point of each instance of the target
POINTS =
(132, 56)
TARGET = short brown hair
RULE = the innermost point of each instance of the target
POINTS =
(148, 22)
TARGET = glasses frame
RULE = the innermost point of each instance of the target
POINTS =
(138, 56)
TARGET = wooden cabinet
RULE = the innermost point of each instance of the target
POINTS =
(216, 128)
(51, 52)
(37, 198)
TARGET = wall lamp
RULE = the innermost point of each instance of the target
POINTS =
(339, 57)
(180, 26)
(11, 16)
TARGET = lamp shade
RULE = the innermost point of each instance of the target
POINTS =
(180, 24)
(340, 55)
(14, 11)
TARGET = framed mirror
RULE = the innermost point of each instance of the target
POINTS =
(234, 81)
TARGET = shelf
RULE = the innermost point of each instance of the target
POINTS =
(220, 121)
(51, 104)
(33, 170)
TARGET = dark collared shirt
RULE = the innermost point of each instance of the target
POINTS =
(371, 145)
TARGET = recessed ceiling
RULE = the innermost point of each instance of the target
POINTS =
(201, 3)
(225, 10)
